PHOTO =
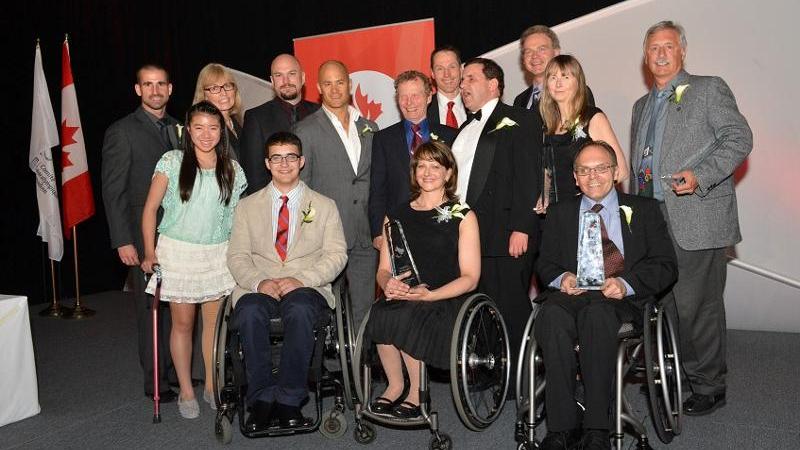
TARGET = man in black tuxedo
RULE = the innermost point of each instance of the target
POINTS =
(392, 148)
(278, 114)
(639, 263)
(447, 107)
(497, 159)
(131, 148)
(538, 45)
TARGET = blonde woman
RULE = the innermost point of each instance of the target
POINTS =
(216, 84)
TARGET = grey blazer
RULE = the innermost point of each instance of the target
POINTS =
(706, 133)
(328, 171)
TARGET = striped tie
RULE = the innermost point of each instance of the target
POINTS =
(614, 262)
(282, 237)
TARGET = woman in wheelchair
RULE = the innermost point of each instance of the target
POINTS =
(415, 323)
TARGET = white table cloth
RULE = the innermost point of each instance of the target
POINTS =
(19, 394)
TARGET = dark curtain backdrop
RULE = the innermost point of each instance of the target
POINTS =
(109, 40)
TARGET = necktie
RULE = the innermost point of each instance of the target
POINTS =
(536, 92)
(645, 175)
(294, 116)
(451, 116)
(476, 115)
(282, 237)
(416, 138)
(613, 261)
(163, 128)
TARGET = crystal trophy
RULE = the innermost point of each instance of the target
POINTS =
(400, 253)
(549, 189)
(591, 269)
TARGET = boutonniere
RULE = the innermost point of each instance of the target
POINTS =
(576, 130)
(434, 137)
(449, 212)
(366, 130)
(179, 130)
(505, 122)
(677, 93)
(309, 214)
(628, 215)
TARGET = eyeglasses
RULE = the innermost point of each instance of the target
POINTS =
(585, 171)
(215, 88)
(278, 159)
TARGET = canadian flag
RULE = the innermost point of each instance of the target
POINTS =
(76, 184)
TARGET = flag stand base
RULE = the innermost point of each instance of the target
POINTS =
(56, 310)
(80, 313)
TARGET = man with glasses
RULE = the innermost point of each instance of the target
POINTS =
(286, 247)
(638, 263)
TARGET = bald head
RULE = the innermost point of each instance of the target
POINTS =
(287, 78)
(333, 83)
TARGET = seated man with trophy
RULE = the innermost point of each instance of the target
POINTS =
(435, 252)
(603, 255)
(287, 246)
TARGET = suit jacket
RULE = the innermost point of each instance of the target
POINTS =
(504, 182)
(315, 257)
(131, 148)
(328, 171)
(521, 100)
(650, 263)
(390, 183)
(259, 123)
(433, 111)
(706, 133)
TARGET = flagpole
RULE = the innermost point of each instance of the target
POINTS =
(56, 309)
(79, 312)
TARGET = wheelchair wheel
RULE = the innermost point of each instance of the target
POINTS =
(223, 429)
(663, 369)
(525, 374)
(345, 341)
(441, 442)
(334, 424)
(359, 355)
(480, 362)
(364, 432)
(218, 373)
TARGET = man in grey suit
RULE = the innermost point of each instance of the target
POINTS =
(337, 146)
(687, 139)
(131, 148)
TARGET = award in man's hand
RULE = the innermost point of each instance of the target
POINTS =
(591, 268)
(400, 253)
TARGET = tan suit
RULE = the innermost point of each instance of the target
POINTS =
(316, 256)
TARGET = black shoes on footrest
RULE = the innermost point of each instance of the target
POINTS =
(561, 440)
(291, 416)
(261, 417)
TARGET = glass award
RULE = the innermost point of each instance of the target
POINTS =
(549, 189)
(591, 268)
(400, 253)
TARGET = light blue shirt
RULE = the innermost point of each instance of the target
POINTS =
(424, 131)
(295, 195)
(659, 99)
(611, 219)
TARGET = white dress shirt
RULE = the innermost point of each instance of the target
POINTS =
(465, 145)
(350, 138)
(458, 108)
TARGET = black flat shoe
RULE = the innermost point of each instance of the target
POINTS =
(406, 410)
(700, 405)
(291, 416)
(261, 417)
(382, 405)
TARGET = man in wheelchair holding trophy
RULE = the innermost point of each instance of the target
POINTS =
(603, 256)
(287, 246)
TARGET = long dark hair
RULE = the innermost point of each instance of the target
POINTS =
(189, 166)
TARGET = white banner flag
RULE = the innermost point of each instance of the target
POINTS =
(44, 136)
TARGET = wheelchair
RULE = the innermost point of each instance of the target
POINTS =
(649, 355)
(333, 346)
(480, 366)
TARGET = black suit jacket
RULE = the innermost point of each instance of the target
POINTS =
(504, 182)
(433, 111)
(131, 148)
(521, 100)
(650, 263)
(259, 123)
(390, 176)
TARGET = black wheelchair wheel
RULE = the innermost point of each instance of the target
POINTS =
(223, 429)
(441, 442)
(662, 366)
(345, 341)
(365, 433)
(218, 351)
(360, 355)
(530, 369)
(334, 424)
(480, 362)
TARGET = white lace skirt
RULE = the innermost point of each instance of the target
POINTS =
(191, 273)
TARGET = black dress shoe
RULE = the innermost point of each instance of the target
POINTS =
(406, 410)
(596, 439)
(167, 396)
(261, 415)
(382, 405)
(561, 440)
(291, 416)
(700, 405)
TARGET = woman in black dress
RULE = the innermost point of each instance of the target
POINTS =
(414, 324)
(215, 83)
(569, 121)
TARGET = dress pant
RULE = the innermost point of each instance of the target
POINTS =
(144, 324)
(593, 322)
(362, 265)
(300, 311)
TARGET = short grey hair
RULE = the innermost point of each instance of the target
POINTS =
(667, 25)
(540, 29)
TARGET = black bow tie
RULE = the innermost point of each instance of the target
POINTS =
(476, 115)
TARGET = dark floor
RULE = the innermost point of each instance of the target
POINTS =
(90, 394)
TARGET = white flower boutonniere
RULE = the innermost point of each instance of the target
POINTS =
(309, 214)
(677, 93)
(434, 137)
(366, 130)
(179, 131)
(505, 122)
(448, 212)
(628, 214)
(576, 130)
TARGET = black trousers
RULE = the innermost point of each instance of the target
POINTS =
(300, 310)
(144, 325)
(593, 322)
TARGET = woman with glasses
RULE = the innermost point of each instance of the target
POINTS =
(216, 84)
(198, 187)
(569, 121)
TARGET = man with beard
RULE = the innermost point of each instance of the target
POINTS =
(131, 148)
(278, 114)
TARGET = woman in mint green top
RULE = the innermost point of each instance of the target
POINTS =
(198, 187)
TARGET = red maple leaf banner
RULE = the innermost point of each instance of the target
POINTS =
(67, 138)
(370, 109)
